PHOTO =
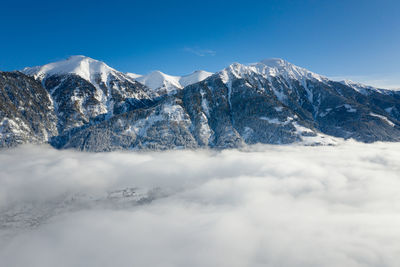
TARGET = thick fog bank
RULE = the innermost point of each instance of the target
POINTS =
(289, 206)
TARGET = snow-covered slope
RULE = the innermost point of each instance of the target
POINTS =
(271, 68)
(272, 101)
(164, 83)
(83, 88)
(85, 67)
(365, 89)
(195, 77)
(277, 66)
(96, 72)
(157, 80)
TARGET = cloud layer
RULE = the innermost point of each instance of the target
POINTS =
(288, 206)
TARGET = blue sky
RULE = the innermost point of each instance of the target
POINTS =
(344, 39)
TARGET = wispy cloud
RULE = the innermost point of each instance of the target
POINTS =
(200, 52)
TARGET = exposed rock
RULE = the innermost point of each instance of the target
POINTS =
(86, 105)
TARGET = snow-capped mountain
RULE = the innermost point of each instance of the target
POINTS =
(84, 89)
(84, 67)
(162, 83)
(277, 66)
(365, 89)
(84, 104)
(195, 77)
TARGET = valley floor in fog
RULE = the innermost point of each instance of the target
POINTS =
(268, 205)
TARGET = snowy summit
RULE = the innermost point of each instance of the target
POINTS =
(85, 67)
(158, 80)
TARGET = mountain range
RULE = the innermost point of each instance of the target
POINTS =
(84, 104)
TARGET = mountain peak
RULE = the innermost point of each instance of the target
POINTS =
(194, 77)
(278, 66)
(270, 68)
(158, 79)
(83, 66)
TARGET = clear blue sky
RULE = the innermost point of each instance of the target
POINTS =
(353, 38)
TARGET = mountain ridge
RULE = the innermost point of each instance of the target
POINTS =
(97, 108)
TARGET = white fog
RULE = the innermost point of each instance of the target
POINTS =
(289, 206)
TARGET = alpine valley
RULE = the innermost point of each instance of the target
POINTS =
(82, 103)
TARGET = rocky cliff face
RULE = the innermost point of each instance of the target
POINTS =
(26, 111)
(82, 103)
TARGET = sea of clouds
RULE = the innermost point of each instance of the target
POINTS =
(287, 206)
